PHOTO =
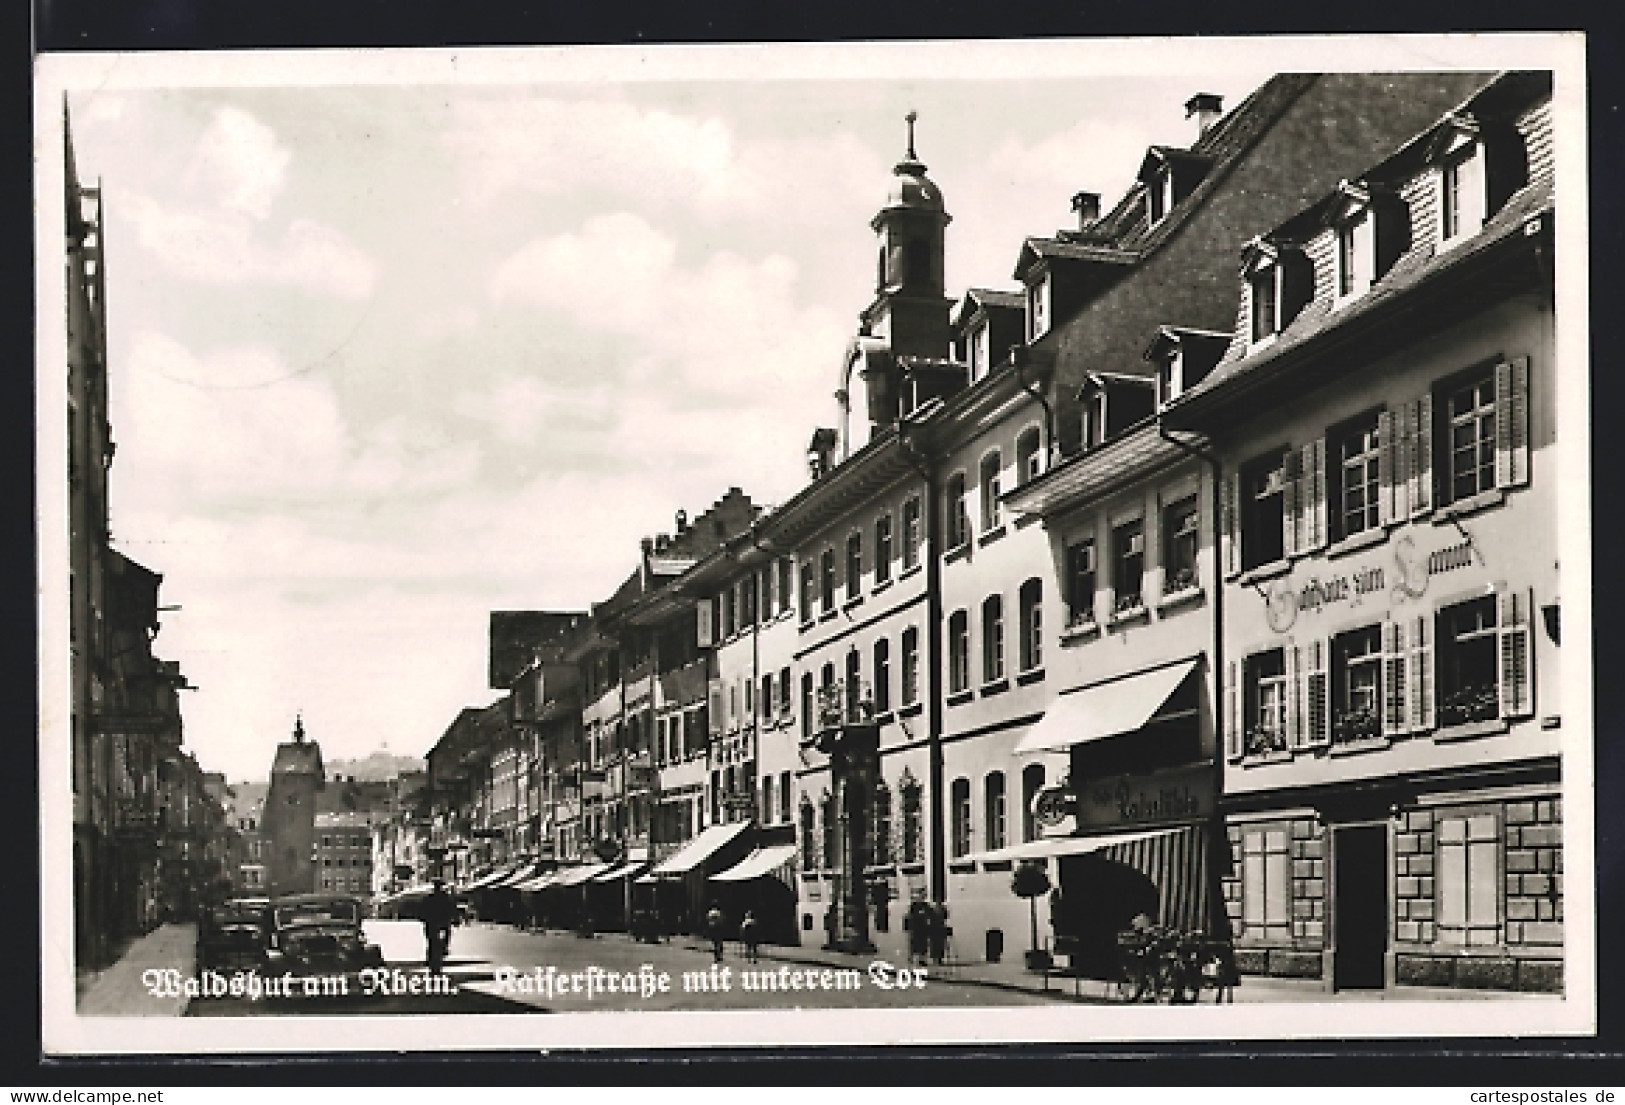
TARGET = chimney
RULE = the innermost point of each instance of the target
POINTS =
(682, 522)
(1087, 205)
(1207, 108)
(648, 544)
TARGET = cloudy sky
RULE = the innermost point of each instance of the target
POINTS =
(388, 356)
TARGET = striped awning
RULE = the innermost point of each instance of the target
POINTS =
(490, 878)
(701, 848)
(575, 876)
(523, 873)
(1178, 863)
(1067, 845)
(530, 886)
(763, 861)
(620, 871)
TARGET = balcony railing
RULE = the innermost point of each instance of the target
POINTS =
(845, 702)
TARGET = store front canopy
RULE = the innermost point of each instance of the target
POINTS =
(701, 848)
(575, 876)
(1105, 709)
(620, 871)
(1066, 845)
(523, 873)
(763, 861)
(530, 886)
(491, 878)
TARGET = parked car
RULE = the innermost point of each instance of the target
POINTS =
(318, 934)
(233, 935)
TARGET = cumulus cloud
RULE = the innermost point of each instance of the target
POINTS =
(216, 227)
(660, 157)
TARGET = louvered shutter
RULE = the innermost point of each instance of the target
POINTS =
(1317, 720)
(1512, 423)
(1517, 697)
(1421, 674)
(1292, 540)
(1231, 526)
(704, 628)
(1404, 435)
(1232, 711)
(1294, 696)
(1393, 679)
(1385, 467)
(1422, 457)
(1313, 498)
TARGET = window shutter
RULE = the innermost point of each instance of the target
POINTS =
(1393, 679)
(1313, 496)
(1512, 423)
(703, 610)
(1385, 467)
(1404, 443)
(1232, 711)
(1317, 721)
(1294, 696)
(1517, 699)
(1422, 456)
(1232, 532)
(1292, 539)
(1421, 719)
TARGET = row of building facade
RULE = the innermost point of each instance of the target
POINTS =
(151, 841)
(1214, 568)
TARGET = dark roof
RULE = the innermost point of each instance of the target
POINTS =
(992, 297)
(1422, 264)
(298, 758)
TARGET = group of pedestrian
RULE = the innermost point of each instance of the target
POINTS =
(716, 929)
(928, 932)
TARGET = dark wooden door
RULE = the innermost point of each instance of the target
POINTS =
(1360, 926)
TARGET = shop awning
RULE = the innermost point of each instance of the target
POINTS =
(701, 848)
(763, 861)
(575, 876)
(540, 881)
(523, 873)
(1105, 709)
(1066, 845)
(490, 878)
(620, 871)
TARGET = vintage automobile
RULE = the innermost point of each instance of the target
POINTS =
(318, 934)
(232, 935)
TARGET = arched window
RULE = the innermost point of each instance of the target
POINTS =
(1032, 781)
(882, 687)
(882, 826)
(993, 639)
(831, 832)
(806, 705)
(993, 808)
(854, 683)
(1032, 624)
(1029, 455)
(911, 666)
(958, 652)
(958, 519)
(989, 490)
(826, 581)
(908, 788)
(960, 805)
(854, 565)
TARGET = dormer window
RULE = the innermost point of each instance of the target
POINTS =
(1039, 305)
(1159, 194)
(1094, 418)
(1354, 254)
(1280, 284)
(981, 348)
(1264, 301)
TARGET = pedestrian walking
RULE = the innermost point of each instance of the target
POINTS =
(713, 929)
(918, 923)
(748, 934)
(438, 913)
(939, 932)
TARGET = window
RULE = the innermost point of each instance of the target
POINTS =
(1032, 624)
(1128, 564)
(766, 700)
(960, 804)
(993, 811)
(1468, 687)
(784, 690)
(882, 823)
(809, 841)
(806, 591)
(826, 581)
(1094, 419)
(990, 491)
(806, 705)
(1357, 685)
(327, 841)
(1265, 688)
(768, 804)
(728, 625)
(785, 569)
(1467, 887)
(911, 666)
(1039, 304)
(854, 683)
(1461, 194)
(1266, 888)
(911, 819)
(1263, 510)
(750, 704)
(993, 639)
(1029, 455)
(784, 797)
(828, 817)
(911, 533)
(958, 652)
(1263, 303)
(854, 565)
(882, 675)
(1354, 477)
(980, 352)
(1159, 195)
(1354, 254)
(1080, 582)
(1179, 525)
(958, 518)
(883, 552)
(1032, 781)
(1470, 422)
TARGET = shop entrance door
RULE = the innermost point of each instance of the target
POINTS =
(1360, 925)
